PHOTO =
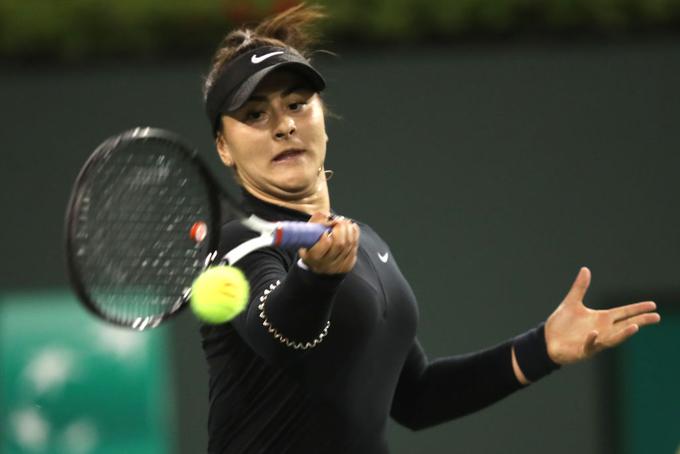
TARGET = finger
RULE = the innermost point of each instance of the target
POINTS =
(348, 246)
(642, 319)
(356, 232)
(340, 242)
(320, 248)
(622, 334)
(350, 259)
(347, 262)
(340, 264)
(320, 218)
(351, 247)
(631, 310)
(580, 286)
(352, 235)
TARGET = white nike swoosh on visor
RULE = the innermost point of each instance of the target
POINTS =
(255, 59)
(384, 258)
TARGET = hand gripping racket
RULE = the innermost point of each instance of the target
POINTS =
(143, 222)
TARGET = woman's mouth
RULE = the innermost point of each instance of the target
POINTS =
(288, 155)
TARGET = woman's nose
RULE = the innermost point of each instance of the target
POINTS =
(285, 128)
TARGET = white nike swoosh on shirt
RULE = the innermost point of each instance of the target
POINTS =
(255, 59)
(384, 258)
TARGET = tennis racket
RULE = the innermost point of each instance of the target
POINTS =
(143, 222)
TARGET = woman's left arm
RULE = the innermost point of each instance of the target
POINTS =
(432, 392)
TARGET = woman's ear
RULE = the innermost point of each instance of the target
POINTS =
(223, 150)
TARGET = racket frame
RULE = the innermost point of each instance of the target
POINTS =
(103, 150)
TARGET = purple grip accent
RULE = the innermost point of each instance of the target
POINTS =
(300, 234)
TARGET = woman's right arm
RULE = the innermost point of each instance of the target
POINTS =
(290, 303)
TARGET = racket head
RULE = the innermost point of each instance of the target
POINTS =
(136, 213)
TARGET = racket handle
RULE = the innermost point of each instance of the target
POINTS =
(292, 235)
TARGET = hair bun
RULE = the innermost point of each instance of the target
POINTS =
(294, 27)
(237, 38)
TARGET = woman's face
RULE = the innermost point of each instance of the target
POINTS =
(277, 140)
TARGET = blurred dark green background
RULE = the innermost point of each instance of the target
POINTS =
(84, 28)
(495, 161)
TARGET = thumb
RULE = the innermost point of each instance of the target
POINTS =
(590, 346)
(580, 286)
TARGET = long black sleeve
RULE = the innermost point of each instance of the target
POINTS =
(430, 393)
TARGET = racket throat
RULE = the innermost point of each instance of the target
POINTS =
(246, 248)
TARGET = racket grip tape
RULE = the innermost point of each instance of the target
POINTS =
(291, 234)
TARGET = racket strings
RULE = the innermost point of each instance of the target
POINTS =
(138, 206)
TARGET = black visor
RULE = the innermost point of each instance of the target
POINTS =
(242, 75)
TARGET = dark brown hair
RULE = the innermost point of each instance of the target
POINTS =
(293, 28)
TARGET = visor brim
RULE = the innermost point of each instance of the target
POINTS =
(239, 97)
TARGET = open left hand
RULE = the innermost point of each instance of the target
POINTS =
(574, 332)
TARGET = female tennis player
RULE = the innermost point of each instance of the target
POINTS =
(327, 350)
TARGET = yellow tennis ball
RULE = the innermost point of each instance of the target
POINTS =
(219, 294)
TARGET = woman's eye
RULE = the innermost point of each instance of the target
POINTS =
(254, 115)
(295, 106)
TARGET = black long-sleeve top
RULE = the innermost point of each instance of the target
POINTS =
(268, 397)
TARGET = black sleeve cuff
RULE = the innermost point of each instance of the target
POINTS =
(531, 352)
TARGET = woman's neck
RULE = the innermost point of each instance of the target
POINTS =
(317, 202)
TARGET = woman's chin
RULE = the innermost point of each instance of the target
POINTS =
(295, 180)
(297, 187)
